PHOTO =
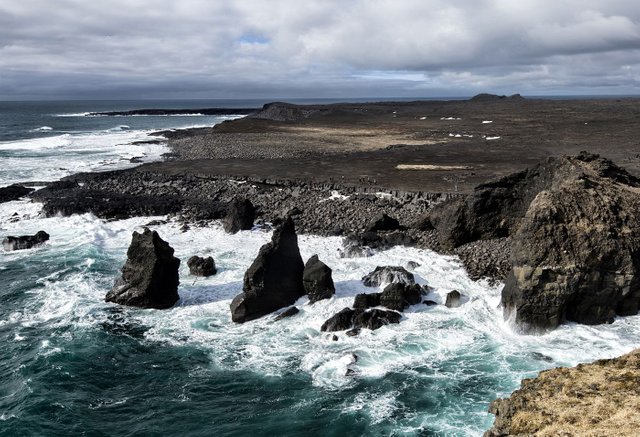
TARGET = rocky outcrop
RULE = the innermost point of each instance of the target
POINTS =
(274, 279)
(317, 280)
(598, 399)
(388, 275)
(25, 241)
(574, 231)
(13, 192)
(395, 296)
(150, 274)
(240, 216)
(199, 266)
(383, 223)
(356, 319)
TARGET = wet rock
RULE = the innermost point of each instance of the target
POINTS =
(398, 296)
(453, 299)
(287, 313)
(199, 266)
(274, 279)
(388, 275)
(430, 303)
(13, 192)
(375, 318)
(366, 300)
(150, 274)
(317, 280)
(240, 216)
(340, 321)
(383, 223)
(25, 241)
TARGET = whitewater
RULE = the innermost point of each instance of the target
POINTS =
(72, 363)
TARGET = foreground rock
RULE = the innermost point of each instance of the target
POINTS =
(317, 280)
(598, 399)
(574, 228)
(240, 216)
(150, 274)
(25, 241)
(199, 266)
(388, 275)
(13, 192)
(395, 296)
(356, 319)
(274, 280)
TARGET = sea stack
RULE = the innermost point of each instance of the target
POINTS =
(150, 274)
(317, 280)
(274, 280)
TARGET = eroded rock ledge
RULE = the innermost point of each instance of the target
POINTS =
(598, 399)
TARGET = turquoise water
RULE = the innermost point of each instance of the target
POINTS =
(72, 364)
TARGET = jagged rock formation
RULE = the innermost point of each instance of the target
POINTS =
(573, 223)
(388, 275)
(317, 280)
(150, 274)
(199, 266)
(274, 280)
(13, 192)
(240, 216)
(25, 241)
(598, 399)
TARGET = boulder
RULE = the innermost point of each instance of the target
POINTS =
(292, 311)
(453, 299)
(274, 279)
(388, 275)
(13, 192)
(383, 223)
(25, 241)
(398, 296)
(430, 303)
(150, 274)
(199, 266)
(359, 319)
(240, 216)
(366, 300)
(317, 280)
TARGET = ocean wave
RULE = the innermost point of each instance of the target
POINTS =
(42, 129)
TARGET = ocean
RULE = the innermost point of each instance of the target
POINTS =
(72, 364)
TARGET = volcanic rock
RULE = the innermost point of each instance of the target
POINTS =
(274, 279)
(240, 216)
(317, 280)
(340, 321)
(292, 311)
(13, 192)
(366, 300)
(150, 274)
(383, 223)
(358, 319)
(25, 241)
(453, 299)
(388, 275)
(398, 296)
(199, 266)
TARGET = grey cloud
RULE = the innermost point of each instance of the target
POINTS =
(197, 48)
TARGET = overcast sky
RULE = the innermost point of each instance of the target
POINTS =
(316, 48)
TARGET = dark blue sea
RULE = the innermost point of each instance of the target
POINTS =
(71, 364)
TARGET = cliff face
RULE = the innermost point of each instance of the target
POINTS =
(598, 399)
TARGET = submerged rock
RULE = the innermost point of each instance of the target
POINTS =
(597, 399)
(150, 274)
(388, 275)
(199, 266)
(25, 241)
(240, 216)
(13, 192)
(317, 280)
(274, 279)
(453, 299)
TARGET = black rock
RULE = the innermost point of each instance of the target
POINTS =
(25, 241)
(150, 274)
(366, 300)
(388, 275)
(453, 299)
(317, 280)
(383, 223)
(375, 318)
(430, 303)
(199, 266)
(340, 321)
(240, 216)
(274, 279)
(399, 296)
(287, 313)
(352, 333)
(13, 192)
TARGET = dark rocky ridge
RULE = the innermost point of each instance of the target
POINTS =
(13, 192)
(25, 241)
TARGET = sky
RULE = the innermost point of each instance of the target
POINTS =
(160, 49)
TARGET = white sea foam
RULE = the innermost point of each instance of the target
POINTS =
(487, 121)
(492, 138)
(43, 129)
